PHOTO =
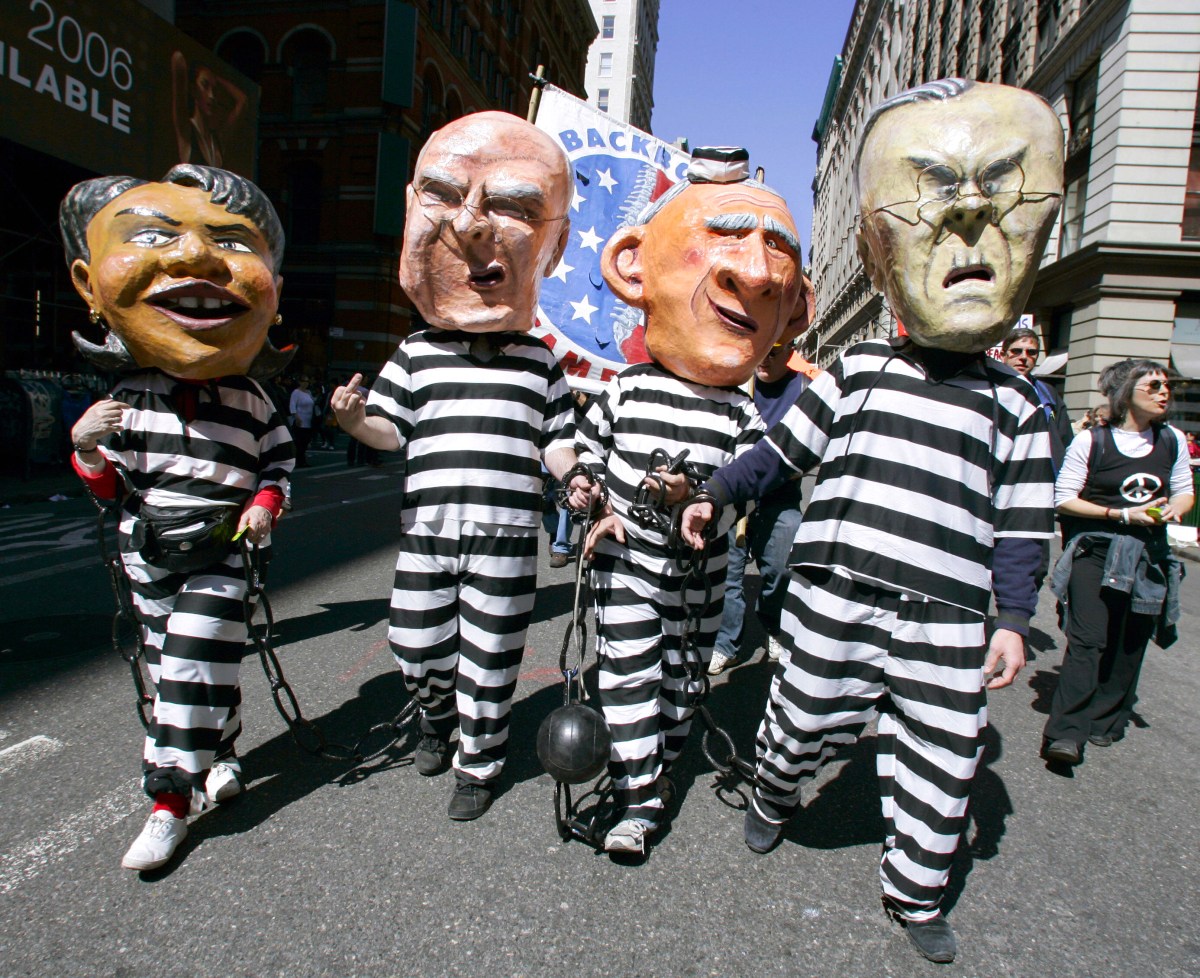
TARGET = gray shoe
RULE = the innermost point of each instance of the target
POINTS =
(469, 800)
(1064, 751)
(934, 938)
(432, 756)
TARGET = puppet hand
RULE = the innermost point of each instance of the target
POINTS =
(1010, 647)
(581, 496)
(100, 420)
(677, 485)
(256, 521)
(609, 526)
(695, 518)
(349, 405)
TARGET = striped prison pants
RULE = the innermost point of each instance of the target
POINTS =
(851, 650)
(461, 605)
(194, 630)
(644, 690)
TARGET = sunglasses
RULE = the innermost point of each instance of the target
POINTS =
(1154, 386)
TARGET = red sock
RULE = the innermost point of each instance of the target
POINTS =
(170, 801)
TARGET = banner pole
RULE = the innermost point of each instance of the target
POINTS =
(535, 97)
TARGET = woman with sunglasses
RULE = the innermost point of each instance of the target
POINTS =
(1117, 579)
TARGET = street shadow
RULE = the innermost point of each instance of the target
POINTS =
(987, 814)
(1038, 642)
(1043, 683)
(341, 616)
(281, 773)
(553, 600)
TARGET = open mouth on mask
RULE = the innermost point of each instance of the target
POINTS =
(199, 305)
(737, 320)
(969, 273)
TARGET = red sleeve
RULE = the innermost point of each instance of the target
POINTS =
(270, 498)
(103, 483)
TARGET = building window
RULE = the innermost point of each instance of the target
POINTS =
(307, 57)
(602, 100)
(1079, 158)
(1191, 198)
(609, 27)
(606, 65)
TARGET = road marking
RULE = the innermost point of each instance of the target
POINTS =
(32, 749)
(363, 661)
(24, 862)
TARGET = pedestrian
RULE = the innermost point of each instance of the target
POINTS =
(189, 445)
(770, 528)
(1020, 351)
(301, 409)
(933, 491)
(732, 241)
(1117, 579)
(476, 405)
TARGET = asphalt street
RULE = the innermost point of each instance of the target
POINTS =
(327, 869)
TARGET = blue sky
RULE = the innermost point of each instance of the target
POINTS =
(750, 74)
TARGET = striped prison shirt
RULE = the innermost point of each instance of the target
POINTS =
(927, 461)
(645, 408)
(474, 427)
(188, 443)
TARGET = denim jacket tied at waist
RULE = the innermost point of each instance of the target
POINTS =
(1147, 571)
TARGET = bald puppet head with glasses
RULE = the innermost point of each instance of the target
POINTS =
(486, 222)
(959, 183)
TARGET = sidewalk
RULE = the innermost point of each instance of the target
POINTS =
(44, 483)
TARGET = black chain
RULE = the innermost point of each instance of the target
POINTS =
(307, 735)
(649, 507)
(694, 566)
(572, 822)
(127, 639)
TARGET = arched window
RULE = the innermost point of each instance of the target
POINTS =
(307, 54)
(244, 50)
(454, 106)
(433, 109)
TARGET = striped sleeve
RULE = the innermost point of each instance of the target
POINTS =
(391, 395)
(802, 435)
(1023, 494)
(558, 424)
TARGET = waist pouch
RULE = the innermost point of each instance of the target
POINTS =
(184, 540)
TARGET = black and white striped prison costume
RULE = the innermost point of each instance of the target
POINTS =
(193, 625)
(934, 488)
(474, 429)
(640, 597)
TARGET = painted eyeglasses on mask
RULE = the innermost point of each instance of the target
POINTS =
(939, 186)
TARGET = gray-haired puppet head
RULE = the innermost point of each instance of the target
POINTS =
(184, 271)
(715, 264)
(958, 184)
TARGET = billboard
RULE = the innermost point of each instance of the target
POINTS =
(112, 87)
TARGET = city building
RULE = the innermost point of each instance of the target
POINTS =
(1121, 274)
(350, 92)
(620, 67)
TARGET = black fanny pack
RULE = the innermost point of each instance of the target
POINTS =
(184, 540)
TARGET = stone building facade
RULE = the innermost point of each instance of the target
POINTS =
(1121, 274)
(620, 68)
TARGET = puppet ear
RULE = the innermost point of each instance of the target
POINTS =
(801, 317)
(867, 258)
(81, 278)
(560, 248)
(621, 265)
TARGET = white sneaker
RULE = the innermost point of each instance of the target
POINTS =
(627, 836)
(157, 843)
(224, 781)
(720, 662)
(774, 648)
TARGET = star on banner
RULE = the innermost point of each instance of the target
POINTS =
(606, 179)
(590, 239)
(561, 271)
(583, 310)
(577, 200)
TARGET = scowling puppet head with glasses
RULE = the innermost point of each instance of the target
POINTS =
(959, 183)
(486, 222)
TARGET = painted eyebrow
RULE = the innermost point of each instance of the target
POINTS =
(773, 226)
(218, 228)
(149, 212)
(732, 222)
(519, 191)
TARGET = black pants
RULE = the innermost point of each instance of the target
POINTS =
(1106, 643)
